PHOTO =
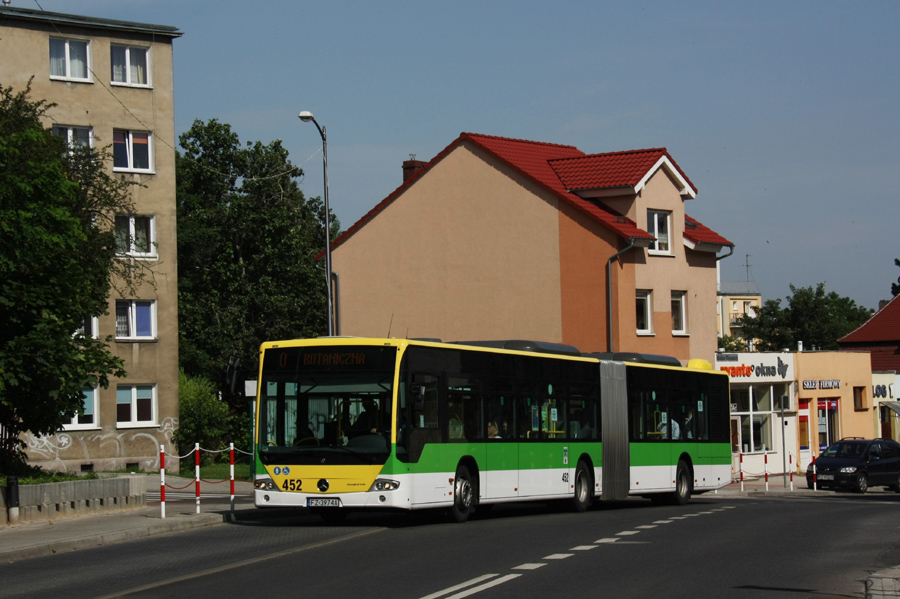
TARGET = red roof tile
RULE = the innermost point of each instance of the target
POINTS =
(542, 163)
(614, 169)
(883, 327)
(696, 232)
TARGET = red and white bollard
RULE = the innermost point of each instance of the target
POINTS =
(197, 472)
(162, 481)
(791, 462)
(815, 475)
(741, 461)
(231, 452)
(766, 463)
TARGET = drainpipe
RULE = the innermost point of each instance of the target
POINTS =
(730, 251)
(337, 303)
(609, 316)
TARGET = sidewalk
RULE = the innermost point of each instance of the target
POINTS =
(26, 541)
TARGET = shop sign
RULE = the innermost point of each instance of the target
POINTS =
(883, 391)
(828, 404)
(755, 367)
(822, 384)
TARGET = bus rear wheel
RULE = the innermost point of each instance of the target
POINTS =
(463, 495)
(584, 488)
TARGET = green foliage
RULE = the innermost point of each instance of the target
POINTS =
(732, 344)
(247, 244)
(895, 287)
(812, 316)
(202, 418)
(57, 260)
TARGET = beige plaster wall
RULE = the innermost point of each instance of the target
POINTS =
(853, 369)
(467, 252)
(99, 104)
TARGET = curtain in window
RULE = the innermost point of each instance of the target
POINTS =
(118, 64)
(144, 403)
(123, 326)
(87, 416)
(81, 136)
(138, 66)
(78, 63)
(140, 146)
(143, 319)
(123, 234)
(142, 234)
(57, 58)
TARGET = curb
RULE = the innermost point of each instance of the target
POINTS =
(175, 524)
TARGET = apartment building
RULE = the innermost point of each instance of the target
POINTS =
(499, 238)
(112, 83)
(735, 300)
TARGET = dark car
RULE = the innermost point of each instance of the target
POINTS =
(857, 464)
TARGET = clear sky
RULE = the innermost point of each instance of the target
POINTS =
(783, 114)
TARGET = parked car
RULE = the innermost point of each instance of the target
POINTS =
(857, 464)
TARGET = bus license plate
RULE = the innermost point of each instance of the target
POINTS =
(331, 502)
(825, 477)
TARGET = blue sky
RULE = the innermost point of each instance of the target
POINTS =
(783, 114)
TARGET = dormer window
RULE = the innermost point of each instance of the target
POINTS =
(658, 225)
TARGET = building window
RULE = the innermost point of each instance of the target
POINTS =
(679, 320)
(859, 398)
(90, 328)
(753, 406)
(130, 65)
(70, 59)
(643, 313)
(87, 418)
(658, 226)
(75, 136)
(136, 236)
(132, 150)
(135, 405)
(135, 319)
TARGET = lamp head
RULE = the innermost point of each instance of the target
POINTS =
(306, 116)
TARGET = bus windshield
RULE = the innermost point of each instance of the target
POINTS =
(326, 405)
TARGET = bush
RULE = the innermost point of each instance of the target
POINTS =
(202, 418)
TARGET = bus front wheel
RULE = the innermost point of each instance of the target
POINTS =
(584, 488)
(463, 495)
(682, 492)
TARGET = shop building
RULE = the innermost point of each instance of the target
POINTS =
(788, 406)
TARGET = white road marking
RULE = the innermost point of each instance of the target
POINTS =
(608, 540)
(626, 533)
(646, 526)
(662, 521)
(583, 548)
(460, 586)
(484, 586)
(529, 566)
(558, 556)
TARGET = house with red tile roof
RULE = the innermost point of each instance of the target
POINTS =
(879, 335)
(499, 238)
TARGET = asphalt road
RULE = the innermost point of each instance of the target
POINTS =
(715, 547)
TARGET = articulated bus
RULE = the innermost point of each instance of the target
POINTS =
(344, 423)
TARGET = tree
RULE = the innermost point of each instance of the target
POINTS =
(57, 262)
(895, 287)
(247, 243)
(732, 344)
(202, 418)
(812, 316)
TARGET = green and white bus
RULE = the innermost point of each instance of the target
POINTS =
(346, 423)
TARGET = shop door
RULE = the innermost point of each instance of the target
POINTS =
(829, 429)
(735, 444)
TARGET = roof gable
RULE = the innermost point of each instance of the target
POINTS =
(543, 162)
(619, 172)
(884, 326)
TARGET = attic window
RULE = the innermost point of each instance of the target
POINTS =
(658, 225)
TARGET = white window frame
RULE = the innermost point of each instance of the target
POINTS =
(647, 296)
(88, 78)
(129, 152)
(133, 391)
(132, 249)
(679, 312)
(94, 323)
(91, 395)
(130, 312)
(67, 132)
(654, 217)
(128, 75)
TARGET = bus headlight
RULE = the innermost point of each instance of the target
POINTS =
(264, 484)
(383, 484)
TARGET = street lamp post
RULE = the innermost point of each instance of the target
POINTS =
(306, 117)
